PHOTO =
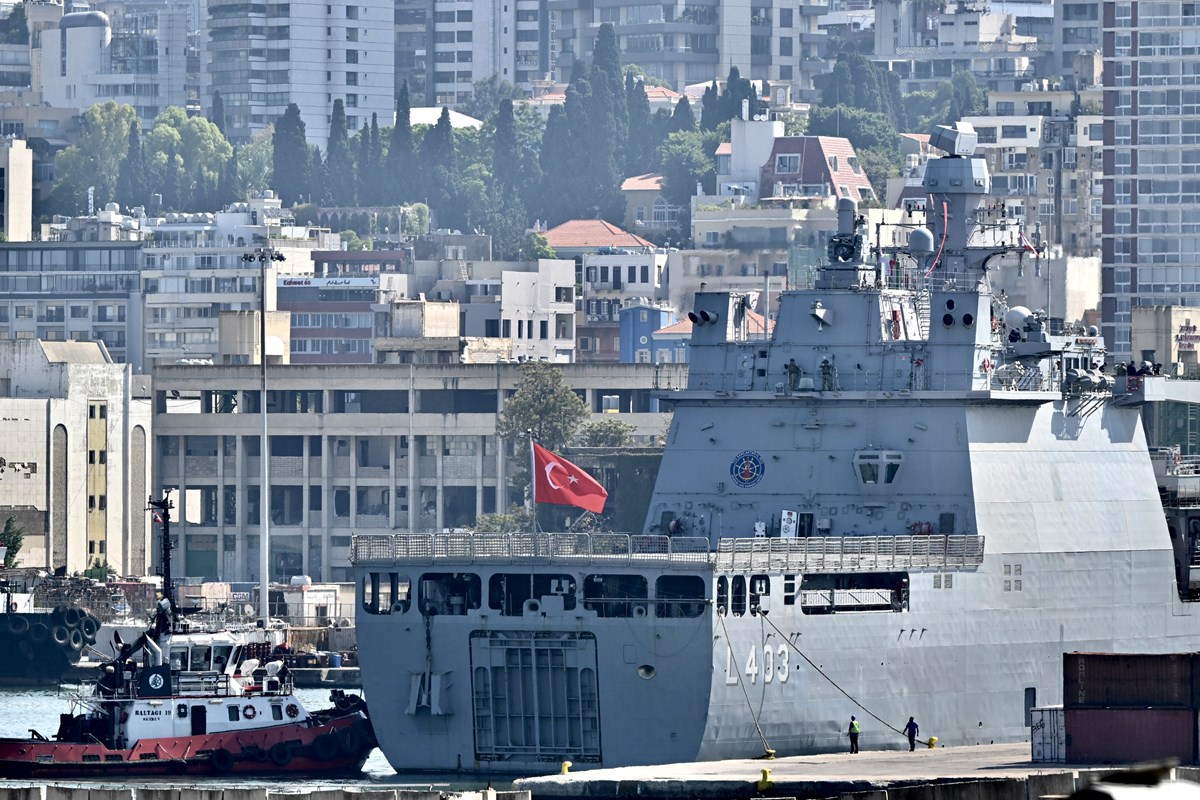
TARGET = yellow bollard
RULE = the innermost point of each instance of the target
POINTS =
(566, 767)
(765, 781)
(932, 742)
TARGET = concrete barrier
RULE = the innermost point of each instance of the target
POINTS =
(21, 792)
(242, 793)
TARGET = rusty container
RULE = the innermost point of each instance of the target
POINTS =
(1130, 680)
(1130, 735)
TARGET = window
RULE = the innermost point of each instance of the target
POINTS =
(351, 56)
(1012, 131)
(787, 164)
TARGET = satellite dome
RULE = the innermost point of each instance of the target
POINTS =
(84, 19)
(1016, 316)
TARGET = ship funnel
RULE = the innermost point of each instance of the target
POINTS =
(847, 211)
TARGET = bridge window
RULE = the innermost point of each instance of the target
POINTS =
(877, 466)
(679, 596)
(616, 595)
(508, 591)
(450, 593)
(760, 586)
(723, 595)
(385, 593)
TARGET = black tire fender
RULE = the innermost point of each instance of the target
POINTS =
(75, 640)
(350, 740)
(18, 625)
(89, 626)
(325, 747)
(38, 632)
(221, 761)
(281, 754)
(61, 634)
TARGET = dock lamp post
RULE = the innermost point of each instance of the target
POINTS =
(264, 256)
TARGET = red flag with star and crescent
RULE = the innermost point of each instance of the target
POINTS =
(559, 482)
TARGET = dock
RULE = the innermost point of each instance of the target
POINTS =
(994, 772)
(238, 791)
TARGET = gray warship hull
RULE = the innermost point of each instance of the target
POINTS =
(907, 499)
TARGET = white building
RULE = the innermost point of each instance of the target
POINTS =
(354, 448)
(307, 52)
(16, 186)
(76, 470)
(477, 39)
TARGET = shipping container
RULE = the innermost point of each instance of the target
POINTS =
(1125, 680)
(1048, 734)
(1130, 735)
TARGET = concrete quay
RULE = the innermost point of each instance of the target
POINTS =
(981, 772)
(102, 791)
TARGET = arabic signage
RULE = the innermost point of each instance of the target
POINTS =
(330, 283)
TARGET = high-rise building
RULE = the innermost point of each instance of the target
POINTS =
(692, 42)
(1150, 237)
(473, 40)
(309, 52)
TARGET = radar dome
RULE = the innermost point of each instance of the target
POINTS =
(1093, 330)
(920, 242)
(1016, 316)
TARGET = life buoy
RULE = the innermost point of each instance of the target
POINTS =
(293, 710)
(12, 608)
(249, 712)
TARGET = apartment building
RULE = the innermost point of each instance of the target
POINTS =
(308, 52)
(691, 42)
(76, 472)
(353, 449)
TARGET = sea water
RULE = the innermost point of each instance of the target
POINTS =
(37, 708)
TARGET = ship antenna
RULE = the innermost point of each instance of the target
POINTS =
(163, 508)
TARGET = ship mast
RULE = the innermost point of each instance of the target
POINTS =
(163, 507)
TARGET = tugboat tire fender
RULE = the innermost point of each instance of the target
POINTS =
(18, 625)
(281, 754)
(350, 740)
(59, 614)
(89, 626)
(325, 747)
(38, 632)
(76, 640)
(72, 616)
(61, 634)
(221, 760)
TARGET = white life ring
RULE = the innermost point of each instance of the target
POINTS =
(249, 712)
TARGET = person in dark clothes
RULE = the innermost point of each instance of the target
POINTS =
(911, 730)
(854, 730)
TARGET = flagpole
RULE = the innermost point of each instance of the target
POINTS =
(532, 481)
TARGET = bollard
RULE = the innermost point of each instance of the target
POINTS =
(566, 767)
(765, 781)
(932, 742)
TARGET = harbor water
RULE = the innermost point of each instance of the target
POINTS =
(38, 708)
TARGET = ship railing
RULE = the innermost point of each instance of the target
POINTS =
(529, 548)
(815, 554)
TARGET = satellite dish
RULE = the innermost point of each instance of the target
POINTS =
(248, 610)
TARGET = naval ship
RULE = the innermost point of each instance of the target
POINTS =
(909, 499)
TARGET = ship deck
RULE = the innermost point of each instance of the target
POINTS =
(833, 774)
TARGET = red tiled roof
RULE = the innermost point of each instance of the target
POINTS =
(725, 149)
(662, 93)
(650, 182)
(818, 156)
(754, 324)
(592, 233)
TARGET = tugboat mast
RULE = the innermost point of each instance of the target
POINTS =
(163, 507)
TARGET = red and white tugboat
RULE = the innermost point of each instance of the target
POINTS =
(177, 701)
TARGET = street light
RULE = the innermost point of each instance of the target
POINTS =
(264, 256)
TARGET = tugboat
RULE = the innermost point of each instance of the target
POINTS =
(179, 701)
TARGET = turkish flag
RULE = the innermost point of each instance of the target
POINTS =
(559, 482)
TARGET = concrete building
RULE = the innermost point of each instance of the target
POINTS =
(307, 52)
(1150, 239)
(639, 321)
(76, 470)
(1168, 335)
(477, 39)
(138, 56)
(16, 190)
(690, 43)
(353, 449)
(613, 280)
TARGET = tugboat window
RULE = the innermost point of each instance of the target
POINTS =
(234, 713)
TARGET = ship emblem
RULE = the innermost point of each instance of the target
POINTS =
(747, 468)
(156, 681)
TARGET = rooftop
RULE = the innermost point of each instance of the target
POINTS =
(428, 115)
(650, 182)
(587, 234)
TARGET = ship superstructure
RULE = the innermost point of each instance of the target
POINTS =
(908, 500)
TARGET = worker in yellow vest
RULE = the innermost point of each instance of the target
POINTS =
(853, 732)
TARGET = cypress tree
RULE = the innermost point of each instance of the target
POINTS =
(557, 159)
(400, 155)
(683, 119)
(438, 163)
(339, 161)
(131, 177)
(639, 155)
(228, 188)
(604, 170)
(317, 189)
(363, 160)
(506, 159)
(375, 163)
(710, 108)
(290, 157)
(217, 114)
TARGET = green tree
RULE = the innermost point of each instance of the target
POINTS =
(737, 89)
(639, 155)
(557, 160)
(603, 145)
(132, 179)
(438, 166)
(351, 240)
(607, 432)
(686, 158)
(401, 156)
(683, 119)
(228, 190)
(506, 159)
(217, 114)
(544, 405)
(14, 29)
(254, 164)
(364, 183)
(11, 538)
(94, 160)
(518, 519)
(537, 246)
(968, 98)
(486, 96)
(414, 220)
(339, 160)
(710, 108)
(200, 149)
(290, 157)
